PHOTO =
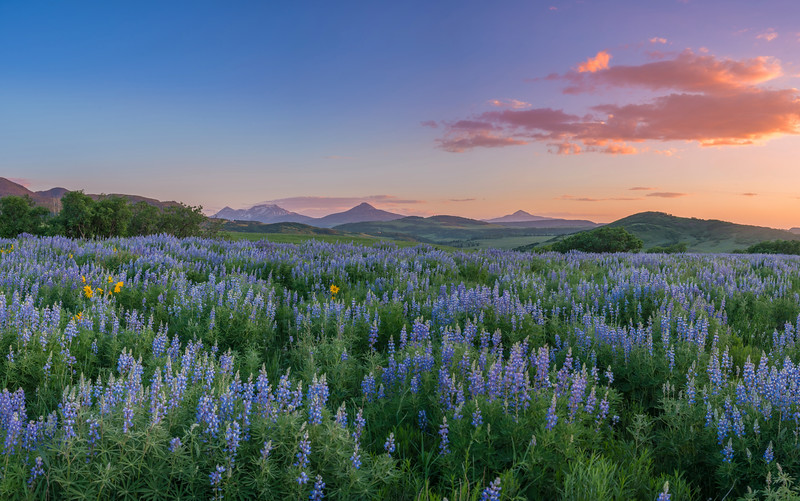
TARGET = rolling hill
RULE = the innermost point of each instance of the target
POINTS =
(658, 229)
(455, 231)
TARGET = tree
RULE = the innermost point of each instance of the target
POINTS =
(21, 215)
(144, 219)
(603, 239)
(182, 220)
(111, 217)
(75, 218)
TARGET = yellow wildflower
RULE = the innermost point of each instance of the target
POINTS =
(87, 290)
(118, 287)
(83, 279)
(110, 279)
(334, 289)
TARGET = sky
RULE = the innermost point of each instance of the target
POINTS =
(579, 109)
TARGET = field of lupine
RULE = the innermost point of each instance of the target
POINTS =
(161, 368)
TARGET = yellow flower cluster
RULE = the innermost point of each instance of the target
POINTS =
(89, 292)
(3, 251)
(334, 289)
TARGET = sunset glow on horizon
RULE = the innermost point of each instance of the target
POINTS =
(589, 110)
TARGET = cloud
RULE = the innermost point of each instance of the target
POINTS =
(430, 123)
(660, 40)
(477, 139)
(509, 103)
(596, 63)
(553, 8)
(641, 188)
(749, 194)
(709, 101)
(769, 35)
(687, 71)
(321, 206)
(666, 194)
(589, 199)
(462, 199)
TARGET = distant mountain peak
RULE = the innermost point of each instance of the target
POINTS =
(520, 216)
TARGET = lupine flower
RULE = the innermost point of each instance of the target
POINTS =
(769, 455)
(317, 493)
(389, 446)
(444, 443)
(664, 495)
(552, 418)
(37, 470)
(175, 444)
(492, 493)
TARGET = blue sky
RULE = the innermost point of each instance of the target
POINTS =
(235, 103)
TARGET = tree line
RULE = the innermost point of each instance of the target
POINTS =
(81, 216)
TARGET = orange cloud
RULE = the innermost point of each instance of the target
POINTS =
(687, 72)
(718, 102)
(596, 63)
(641, 188)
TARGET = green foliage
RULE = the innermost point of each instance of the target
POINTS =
(75, 218)
(20, 215)
(111, 217)
(603, 239)
(775, 247)
(677, 248)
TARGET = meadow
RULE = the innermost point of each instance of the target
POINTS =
(164, 368)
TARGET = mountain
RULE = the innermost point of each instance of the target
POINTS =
(360, 213)
(518, 217)
(795, 230)
(701, 235)
(51, 198)
(264, 213)
(454, 231)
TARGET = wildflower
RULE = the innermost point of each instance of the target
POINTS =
(389, 446)
(356, 457)
(37, 470)
(175, 444)
(664, 495)
(552, 417)
(769, 455)
(216, 480)
(118, 287)
(443, 433)
(492, 493)
(304, 450)
(316, 493)
(334, 289)
(87, 291)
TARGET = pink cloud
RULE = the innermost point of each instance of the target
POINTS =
(749, 194)
(715, 102)
(21, 181)
(509, 103)
(641, 188)
(429, 123)
(666, 194)
(477, 139)
(660, 40)
(596, 63)
(769, 35)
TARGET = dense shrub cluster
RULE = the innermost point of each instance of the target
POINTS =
(113, 216)
(604, 239)
(158, 367)
(776, 247)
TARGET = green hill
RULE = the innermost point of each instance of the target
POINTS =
(455, 231)
(701, 235)
(658, 229)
